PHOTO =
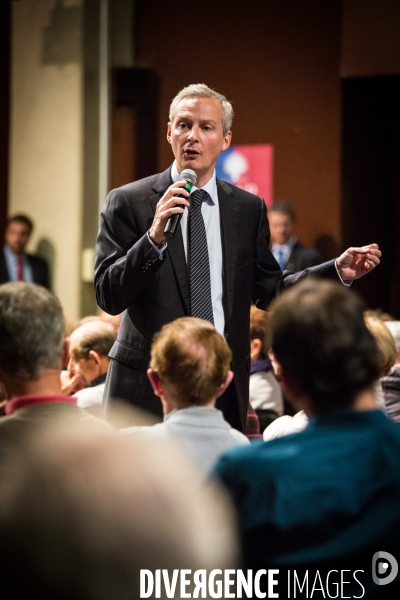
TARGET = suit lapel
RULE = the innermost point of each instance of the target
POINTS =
(175, 248)
(229, 215)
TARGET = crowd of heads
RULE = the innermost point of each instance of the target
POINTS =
(84, 508)
(107, 506)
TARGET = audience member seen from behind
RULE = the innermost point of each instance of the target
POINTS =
(15, 263)
(189, 370)
(85, 510)
(327, 497)
(265, 391)
(289, 253)
(387, 352)
(89, 346)
(31, 347)
(391, 381)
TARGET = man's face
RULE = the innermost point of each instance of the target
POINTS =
(197, 137)
(17, 236)
(85, 367)
(281, 227)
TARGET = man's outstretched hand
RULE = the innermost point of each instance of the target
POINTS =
(356, 262)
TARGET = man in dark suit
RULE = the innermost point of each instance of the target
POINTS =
(15, 264)
(139, 272)
(289, 253)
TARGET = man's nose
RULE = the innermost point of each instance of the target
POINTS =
(193, 133)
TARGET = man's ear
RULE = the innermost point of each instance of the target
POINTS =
(227, 141)
(155, 382)
(223, 386)
(96, 356)
(255, 348)
(169, 133)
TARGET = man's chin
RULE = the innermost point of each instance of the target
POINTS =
(190, 162)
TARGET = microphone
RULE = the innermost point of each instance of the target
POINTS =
(173, 222)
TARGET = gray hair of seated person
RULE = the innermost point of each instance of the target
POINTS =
(31, 330)
(201, 90)
(320, 339)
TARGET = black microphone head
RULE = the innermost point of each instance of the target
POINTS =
(189, 176)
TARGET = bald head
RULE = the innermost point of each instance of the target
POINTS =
(89, 347)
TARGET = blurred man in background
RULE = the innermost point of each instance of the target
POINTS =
(15, 263)
(289, 253)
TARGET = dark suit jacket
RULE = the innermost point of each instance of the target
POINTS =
(302, 257)
(129, 276)
(40, 270)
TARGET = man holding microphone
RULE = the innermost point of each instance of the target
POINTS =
(217, 263)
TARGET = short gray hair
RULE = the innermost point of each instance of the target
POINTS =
(201, 90)
(31, 330)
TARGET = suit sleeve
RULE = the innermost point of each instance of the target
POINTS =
(269, 280)
(126, 261)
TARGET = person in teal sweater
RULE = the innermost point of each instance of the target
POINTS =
(323, 502)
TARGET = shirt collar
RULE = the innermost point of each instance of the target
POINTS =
(12, 254)
(210, 187)
(285, 247)
(35, 399)
(100, 379)
(194, 410)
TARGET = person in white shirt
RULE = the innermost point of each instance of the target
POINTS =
(89, 346)
(15, 263)
(189, 369)
(266, 396)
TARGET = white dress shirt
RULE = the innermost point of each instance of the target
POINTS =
(12, 265)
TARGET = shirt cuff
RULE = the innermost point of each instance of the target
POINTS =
(160, 251)
(346, 282)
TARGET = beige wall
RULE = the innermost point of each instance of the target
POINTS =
(45, 152)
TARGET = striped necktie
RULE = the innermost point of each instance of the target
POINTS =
(199, 265)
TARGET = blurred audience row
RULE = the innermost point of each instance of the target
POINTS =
(85, 503)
